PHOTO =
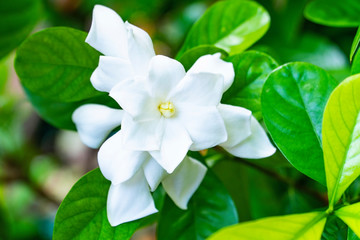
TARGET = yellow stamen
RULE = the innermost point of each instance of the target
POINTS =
(167, 109)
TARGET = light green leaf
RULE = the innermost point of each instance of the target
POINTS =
(355, 44)
(82, 214)
(334, 13)
(56, 63)
(209, 209)
(232, 25)
(293, 101)
(290, 227)
(341, 137)
(191, 55)
(17, 20)
(251, 70)
(351, 216)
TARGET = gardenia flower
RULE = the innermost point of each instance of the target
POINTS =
(166, 112)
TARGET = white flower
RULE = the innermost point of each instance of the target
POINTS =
(166, 113)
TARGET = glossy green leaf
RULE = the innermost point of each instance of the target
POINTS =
(56, 63)
(251, 70)
(232, 25)
(209, 209)
(82, 214)
(17, 20)
(351, 216)
(191, 55)
(293, 100)
(341, 137)
(290, 227)
(334, 13)
(355, 44)
(58, 113)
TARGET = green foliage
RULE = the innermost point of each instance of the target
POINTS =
(351, 216)
(82, 214)
(334, 13)
(297, 226)
(355, 45)
(293, 101)
(209, 209)
(56, 64)
(251, 70)
(17, 20)
(340, 134)
(235, 25)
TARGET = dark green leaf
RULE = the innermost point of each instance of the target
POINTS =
(230, 25)
(334, 13)
(191, 55)
(209, 209)
(82, 214)
(355, 44)
(352, 235)
(251, 70)
(17, 20)
(56, 63)
(334, 229)
(293, 101)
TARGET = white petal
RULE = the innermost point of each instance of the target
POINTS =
(174, 146)
(108, 34)
(134, 99)
(154, 173)
(204, 125)
(116, 162)
(94, 122)
(184, 181)
(142, 136)
(130, 200)
(141, 49)
(111, 71)
(203, 89)
(237, 122)
(214, 64)
(257, 145)
(164, 74)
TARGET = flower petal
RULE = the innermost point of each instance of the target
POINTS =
(142, 136)
(214, 64)
(203, 89)
(164, 74)
(174, 146)
(134, 99)
(257, 145)
(237, 122)
(204, 125)
(184, 181)
(108, 34)
(129, 200)
(111, 71)
(116, 162)
(140, 48)
(94, 123)
(154, 173)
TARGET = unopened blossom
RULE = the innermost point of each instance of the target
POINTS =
(166, 112)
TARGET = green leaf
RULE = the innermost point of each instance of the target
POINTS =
(351, 216)
(56, 63)
(82, 214)
(293, 100)
(355, 45)
(290, 227)
(191, 55)
(351, 235)
(59, 114)
(17, 20)
(334, 13)
(334, 228)
(251, 70)
(341, 137)
(209, 209)
(230, 25)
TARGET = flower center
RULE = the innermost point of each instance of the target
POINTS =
(167, 109)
